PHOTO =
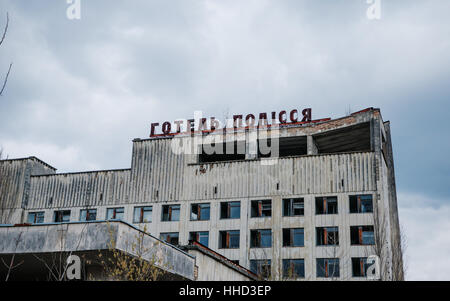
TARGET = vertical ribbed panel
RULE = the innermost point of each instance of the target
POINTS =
(79, 189)
(159, 175)
(12, 180)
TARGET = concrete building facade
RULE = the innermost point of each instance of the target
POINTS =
(315, 211)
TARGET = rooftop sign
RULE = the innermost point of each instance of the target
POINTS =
(238, 121)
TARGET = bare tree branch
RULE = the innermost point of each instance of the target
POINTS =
(6, 29)
(11, 266)
(10, 65)
(5, 80)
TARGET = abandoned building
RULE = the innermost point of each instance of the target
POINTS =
(314, 211)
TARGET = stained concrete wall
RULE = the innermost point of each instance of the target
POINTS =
(210, 269)
(93, 236)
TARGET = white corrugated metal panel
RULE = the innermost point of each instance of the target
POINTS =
(79, 189)
(161, 175)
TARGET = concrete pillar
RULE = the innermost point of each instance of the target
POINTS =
(311, 146)
(251, 145)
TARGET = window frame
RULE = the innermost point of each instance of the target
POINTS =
(87, 214)
(199, 233)
(362, 263)
(359, 203)
(262, 265)
(360, 233)
(327, 232)
(260, 208)
(323, 200)
(287, 262)
(169, 235)
(336, 261)
(199, 210)
(291, 207)
(143, 210)
(36, 217)
(170, 213)
(259, 238)
(229, 208)
(228, 239)
(115, 209)
(57, 212)
(292, 237)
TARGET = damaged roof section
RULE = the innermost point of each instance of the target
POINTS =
(93, 237)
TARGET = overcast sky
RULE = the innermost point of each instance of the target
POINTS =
(81, 90)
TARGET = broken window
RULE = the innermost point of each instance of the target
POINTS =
(229, 151)
(229, 239)
(359, 267)
(355, 138)
(230, 210)
(36, 217)
(326, 205)
(61, 216)
(200, 212)
(361, 203)
(327, 267)
(293, 268)
(201, 237)
(170, 237)
(327, 236)
(261, 238)
(293, 207)
(294, 237)
(115, 213)
(261, 267)
(142, 214)
(170, 213)
(287, 146)
(262, 208)
(88, 215)
(362, 235)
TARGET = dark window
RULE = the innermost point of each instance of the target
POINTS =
(142, 214)
(230, 210)
(362, 235)
(294, 237)
(261, 267)
(171, 238)
(261, 238)
(61, 216)
(201, 237)
(36, 217)
(115, 213)
(229, 239)
(293, 268)
(262, 208)
(170, 213)
(282, 147)
(222, 152)
(327, 236)
(328, 267)
(361, 203)
(200, 212)
(326, 205)
(88, 215)
(293, 207)
(359, 267)
(235, 261)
